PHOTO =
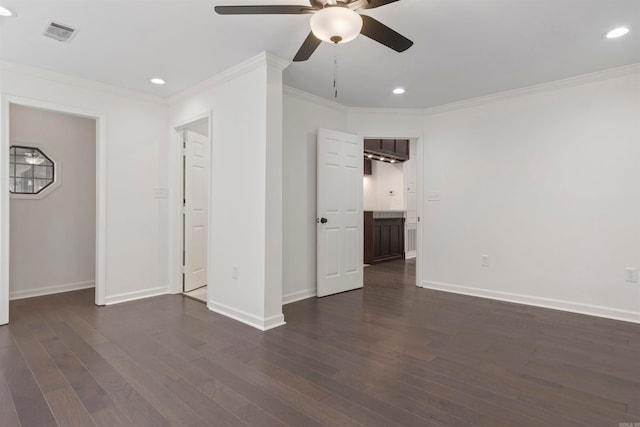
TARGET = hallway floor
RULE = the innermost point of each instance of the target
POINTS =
(390, 354)
(199, 294)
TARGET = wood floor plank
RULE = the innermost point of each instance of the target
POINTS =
(175, 411)
(138, 409)
(8, 414)
(93, 397)
(390, 354)
(145, 351)
(67, 408)
(30, 405)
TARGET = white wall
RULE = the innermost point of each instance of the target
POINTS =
(246, 188)
(135, 134)
(384, 178)
(547, 184)
(303, 115)
(543, 180)
(53, 238)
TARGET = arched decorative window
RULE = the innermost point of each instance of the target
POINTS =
(30, 170)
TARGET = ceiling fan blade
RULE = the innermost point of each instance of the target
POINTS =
(379, 32)
(309, 46)
(377, 3)
(264, 10)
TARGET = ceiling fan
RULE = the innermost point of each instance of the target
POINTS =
(333, 21)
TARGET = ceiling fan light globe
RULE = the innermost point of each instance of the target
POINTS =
(337, 23)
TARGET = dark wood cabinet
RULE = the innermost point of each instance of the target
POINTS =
(396, 148)
(388, 145)
(368, 237)
(383, 238)
(402, 147)
(373, 145)
(367, 166)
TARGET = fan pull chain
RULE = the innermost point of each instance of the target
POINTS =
(335, 70)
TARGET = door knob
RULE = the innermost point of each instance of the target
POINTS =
(323, 220)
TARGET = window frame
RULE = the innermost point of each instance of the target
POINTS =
(55, 166)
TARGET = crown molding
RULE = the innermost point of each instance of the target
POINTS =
(314, 98)
(275, 61)
(79, 82)
(398, 111)
(473, 102)
(579, 80)
(263, 58)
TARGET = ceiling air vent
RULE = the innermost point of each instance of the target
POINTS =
(60, 32)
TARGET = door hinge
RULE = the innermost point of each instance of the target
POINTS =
(418, 219)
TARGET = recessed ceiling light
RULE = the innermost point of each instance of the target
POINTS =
(617, 32)
(6, 12)
(157, 81)
(370, 156)
(393, 160)
(398, 91)
(382, 158)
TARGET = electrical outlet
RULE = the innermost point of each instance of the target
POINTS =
(484, 260)
(235, 273)
(631, 275)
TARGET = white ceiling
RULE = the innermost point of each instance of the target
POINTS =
(463, 48)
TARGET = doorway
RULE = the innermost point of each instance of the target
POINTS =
(340, 262)
(390, 203)
(41, 143)
(195, 173)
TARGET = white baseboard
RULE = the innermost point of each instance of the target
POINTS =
(410, 255)
(132, 296)
(555, 304)
(298, 296)
(48, 290)
(257, 322)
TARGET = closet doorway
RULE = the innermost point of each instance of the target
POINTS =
(195, 208)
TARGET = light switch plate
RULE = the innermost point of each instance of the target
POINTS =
(433, 196)
(160, 193)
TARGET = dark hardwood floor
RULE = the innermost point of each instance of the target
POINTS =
(388, 355)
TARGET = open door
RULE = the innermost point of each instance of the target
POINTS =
(195, 210)
(340, 220)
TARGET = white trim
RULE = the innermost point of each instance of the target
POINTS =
(78, 82)
(555, 304)
(4, 211)
(306, 96)
(298, 296)
(135, 295)
(472, 102)
(534, 89)
(263, 58)
(48, 290)
(261, 323)
(399, 111)
(101, 192)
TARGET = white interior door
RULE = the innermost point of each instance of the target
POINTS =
(195, 210)
(340, 220)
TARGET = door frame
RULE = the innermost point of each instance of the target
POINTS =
(101, 192)
(419, 191)
(176, 193)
